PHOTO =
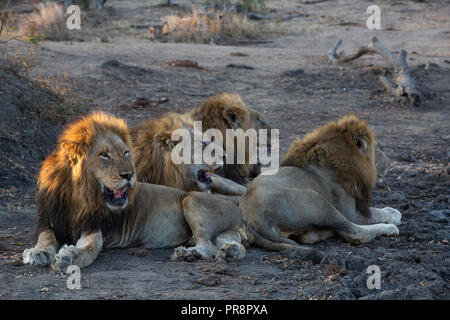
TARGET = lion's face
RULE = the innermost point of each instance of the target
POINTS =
(110, 163)
(200, 173)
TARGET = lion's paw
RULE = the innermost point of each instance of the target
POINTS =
(393, 215)
(391, 230)
(186, 254)
(64, 258)
(37, 257)
(231, 252)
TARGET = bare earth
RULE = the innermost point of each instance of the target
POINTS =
(296, 88)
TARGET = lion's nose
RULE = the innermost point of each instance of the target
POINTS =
(127, 175)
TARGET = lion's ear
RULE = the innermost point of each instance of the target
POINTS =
(361, 142)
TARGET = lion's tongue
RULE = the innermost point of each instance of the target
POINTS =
(118, 194)
(207, 175)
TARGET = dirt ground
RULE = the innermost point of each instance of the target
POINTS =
(112, 65)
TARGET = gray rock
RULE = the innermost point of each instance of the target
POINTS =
(439, 215)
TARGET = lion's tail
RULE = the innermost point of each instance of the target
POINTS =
(259, 241)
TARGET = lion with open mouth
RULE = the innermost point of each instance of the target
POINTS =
(153, 146)
(88, 199)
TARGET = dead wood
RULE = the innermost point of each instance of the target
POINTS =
(402, 83)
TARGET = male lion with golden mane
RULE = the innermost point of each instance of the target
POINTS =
(153, 145)
(323, 186)
(87, 198)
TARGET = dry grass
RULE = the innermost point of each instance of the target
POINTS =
(46, 23)
(212, 26)
(17, 61)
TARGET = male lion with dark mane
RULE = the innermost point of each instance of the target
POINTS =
(152, 146)
(323, 186)
(227, 111)
(87, 198)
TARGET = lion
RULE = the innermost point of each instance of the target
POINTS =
(153, 146)
(88, 199)
(323, 186)
(227, 111)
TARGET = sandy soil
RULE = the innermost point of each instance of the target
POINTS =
(297, 89)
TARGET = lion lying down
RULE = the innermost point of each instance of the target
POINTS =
(87, 195)
(323, 186)
(152, 146)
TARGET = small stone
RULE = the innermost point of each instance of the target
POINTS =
(16, 263)
(209, 280)
(439, 215)
(138, 252)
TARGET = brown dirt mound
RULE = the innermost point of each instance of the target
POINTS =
(31, 117)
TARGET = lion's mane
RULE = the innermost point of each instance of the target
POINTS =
(68, 198)
(336, 145)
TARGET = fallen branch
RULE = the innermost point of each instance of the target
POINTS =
(11, 39)
(402, 85)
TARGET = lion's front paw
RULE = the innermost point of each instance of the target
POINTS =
(64, 258)
(391, 230)
(231, 252)
(38, 257)
(186, 254)
(393, 216)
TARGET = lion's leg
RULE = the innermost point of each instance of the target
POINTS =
(322, 214)
(233, 199)
(346, 205)
(385, 215)
(43, 253)
(201, 250)
(333, 219)
(230, 246)
(207, 216)
(226, 186)
(82, 255)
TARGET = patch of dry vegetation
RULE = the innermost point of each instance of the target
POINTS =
(212, 26)
(47, 22)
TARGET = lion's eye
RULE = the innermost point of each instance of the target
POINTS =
(127, 153)
(104, 155)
